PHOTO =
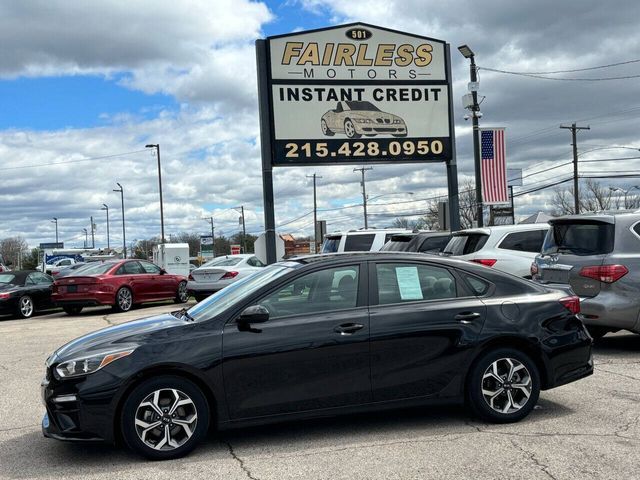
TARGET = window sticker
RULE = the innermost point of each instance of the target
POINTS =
(409, 283)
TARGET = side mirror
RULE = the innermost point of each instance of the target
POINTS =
(163, 271)
(253, 314)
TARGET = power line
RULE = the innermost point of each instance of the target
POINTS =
(72, 161)
(575, 69)
(541, 77)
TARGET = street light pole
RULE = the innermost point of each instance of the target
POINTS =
(574, 137)
(244, 231)
(157, 147)
(106, 207)
(364, 193)
(475, 115)
(315, 211)
(93, 238)
(55, 220)
(213, 238)
(86, 237)
(124, 238)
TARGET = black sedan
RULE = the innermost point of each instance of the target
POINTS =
(315, 336)
(24, 292)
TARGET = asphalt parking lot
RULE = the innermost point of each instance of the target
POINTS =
(588, 429)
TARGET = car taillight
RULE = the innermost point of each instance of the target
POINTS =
(487, 262)
(534, 269)
(5, 295)
(604, 273)
(229, 275)
(571, 303)
(191, 277)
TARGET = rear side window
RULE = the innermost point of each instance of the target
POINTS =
(530, 241)
(405, 282)
(359, 242)
(478, 286)
(579, 238)
(466, 243)
(398, 243)
(330, 244)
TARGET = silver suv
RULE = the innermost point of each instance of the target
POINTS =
(598, 256)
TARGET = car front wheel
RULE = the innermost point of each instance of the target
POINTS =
(350, 129)
(503, 386)
(164, 418)
(124, 300)
(72, 310)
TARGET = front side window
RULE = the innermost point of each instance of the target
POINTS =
(359, 242)
(406, 282)
(324, 290)
(530, 241)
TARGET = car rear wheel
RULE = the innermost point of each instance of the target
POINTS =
(350, 130)
(164, 418)
(325, 129)
(503, 386)
(182, 296)
(124, 300)
(25, 307)
(72, 310)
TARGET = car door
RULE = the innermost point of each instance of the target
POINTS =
(133, 275)
(157, 285)
(312, 353)
(39, 288)
(423, 322)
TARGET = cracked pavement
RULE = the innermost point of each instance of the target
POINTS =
(588, 430)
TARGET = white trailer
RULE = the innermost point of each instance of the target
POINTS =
(173, 257)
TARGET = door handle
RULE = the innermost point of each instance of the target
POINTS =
(466, 316)
(348, 328)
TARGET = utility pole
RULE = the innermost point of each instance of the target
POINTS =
(475, 116)
(157, 148)
(315, 211)
(93, 238)
(106, 207)
(364, 193)
(55, 220)
(244, 230)
(574, 137)
(124, 238)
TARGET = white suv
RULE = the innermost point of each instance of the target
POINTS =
(510, 248)
(358, 240)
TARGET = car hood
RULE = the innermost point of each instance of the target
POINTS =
(130, 334)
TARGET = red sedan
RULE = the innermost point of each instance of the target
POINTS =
(120, 283)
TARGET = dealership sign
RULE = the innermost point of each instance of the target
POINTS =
(358, 94)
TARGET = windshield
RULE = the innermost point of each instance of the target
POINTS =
(362, 106)
(97, 269)
(579, 238)
(228, 296)
(223, 262)
(6, 277)
(331, 244)
(465, 243)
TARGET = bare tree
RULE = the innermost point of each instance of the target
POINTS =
(12, 250)
(467, 206)
(592, 197)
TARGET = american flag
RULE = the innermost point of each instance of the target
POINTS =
(494, 172)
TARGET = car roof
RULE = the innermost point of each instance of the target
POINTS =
(503, 228)
(21, 275)
(370, 231)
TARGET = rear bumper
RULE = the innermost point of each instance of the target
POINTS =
(568, 356)
(82, 299)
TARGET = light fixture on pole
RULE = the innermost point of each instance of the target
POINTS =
(475, 115)
(157, 148)
(124, 238)
(106, 207)
(55, 220)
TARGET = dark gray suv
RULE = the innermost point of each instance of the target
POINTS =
(598, 256)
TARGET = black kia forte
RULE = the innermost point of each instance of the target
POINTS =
(316, 336)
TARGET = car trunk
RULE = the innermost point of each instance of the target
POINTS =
(571, 245)
(75, 284)
(209, 274)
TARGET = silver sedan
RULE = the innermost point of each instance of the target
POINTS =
(220, 272)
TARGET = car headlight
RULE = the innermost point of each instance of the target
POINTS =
(397, 120)
(89, 364)
(362, 120)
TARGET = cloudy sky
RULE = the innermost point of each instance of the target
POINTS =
(85, 85)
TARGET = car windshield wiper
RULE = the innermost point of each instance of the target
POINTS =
(184, 314)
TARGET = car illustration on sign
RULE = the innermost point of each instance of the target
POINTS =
(355, 119)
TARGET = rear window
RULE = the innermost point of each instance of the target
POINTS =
(530, 241)
(434, 244)
(398, 243)
(97, 269)
(7, 278)
(579, 238)
(330, 244)
(359, 242)
(466, 243)
(223, 262)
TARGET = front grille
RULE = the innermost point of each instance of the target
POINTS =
(383, 120)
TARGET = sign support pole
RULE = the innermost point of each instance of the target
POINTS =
(452, 166)
(266, 152)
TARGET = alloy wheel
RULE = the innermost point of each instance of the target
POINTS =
(125, 299)
(26, 307)
(183, 294)
(166, 419)
(323, 125)
(506, 385)
(349, 129)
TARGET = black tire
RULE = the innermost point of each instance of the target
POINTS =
(182, 295)
(350, 131)
(597, 332)
(136, 406)
(325, 129)
(476, 383)
(124, 300)
(72, 310)
(199, 298)
(26, 308)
